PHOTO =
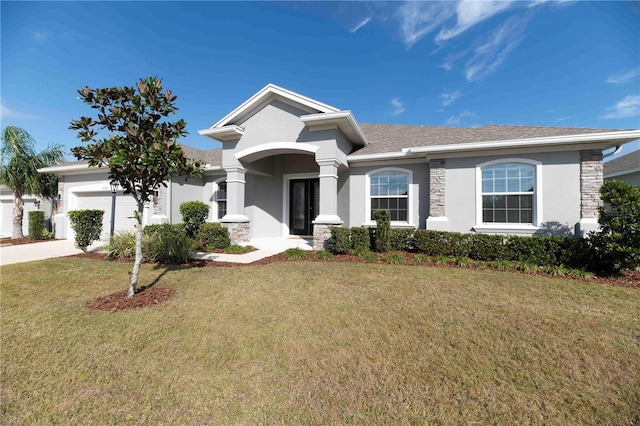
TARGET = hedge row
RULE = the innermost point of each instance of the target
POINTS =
(543, 251)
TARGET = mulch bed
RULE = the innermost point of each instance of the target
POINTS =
(151, 296)
(144, 297)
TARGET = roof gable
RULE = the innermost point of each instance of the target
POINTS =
(265, 95)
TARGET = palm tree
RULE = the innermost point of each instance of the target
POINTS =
(19, 170)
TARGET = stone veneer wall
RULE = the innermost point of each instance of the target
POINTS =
(437, 207)
(239, 232)
(591, 179)
(322, 237)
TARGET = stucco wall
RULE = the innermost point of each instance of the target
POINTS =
(185, 190)
(560, 190)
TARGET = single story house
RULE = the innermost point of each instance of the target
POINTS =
(31, 203)
(625, 167)
(292, 167)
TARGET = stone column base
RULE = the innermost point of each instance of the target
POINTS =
(586, 225)
(322, 236)
(239, 232)
(437, 223)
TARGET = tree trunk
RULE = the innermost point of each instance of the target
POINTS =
(18, 214)
(136, 265)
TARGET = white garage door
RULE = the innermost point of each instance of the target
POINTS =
(125, 206)
(6, 216)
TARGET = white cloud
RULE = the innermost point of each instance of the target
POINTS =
(628, 107)
(398, 107)
(624, 77)
(470, 13)
(418, 19)
(449, 97)
(361, 24)
(6, 112)
(455, 120)
(40, 36)
(493, 51)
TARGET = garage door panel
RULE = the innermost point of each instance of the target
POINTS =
(124, 213)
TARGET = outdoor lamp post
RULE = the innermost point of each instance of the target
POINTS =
(114, 189)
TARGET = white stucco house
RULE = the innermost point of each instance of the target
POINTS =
(291, 167)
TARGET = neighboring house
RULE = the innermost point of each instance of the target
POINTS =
(626, 168)
(293, 166)
(31, 203)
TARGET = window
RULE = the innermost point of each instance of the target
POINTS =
(389, 190)
(220, 197)
(508, 191)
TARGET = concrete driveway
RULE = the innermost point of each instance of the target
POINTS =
(40, 251)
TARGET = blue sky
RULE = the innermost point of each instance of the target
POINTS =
(469, 63)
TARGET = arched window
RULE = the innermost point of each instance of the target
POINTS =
(389, 190)
(508, 193)
(220, 199)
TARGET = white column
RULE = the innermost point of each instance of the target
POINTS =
(235, 195)
(328, 193)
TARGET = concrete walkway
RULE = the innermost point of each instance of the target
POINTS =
(40, 251)
(60, 248)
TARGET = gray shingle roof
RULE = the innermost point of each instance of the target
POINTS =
(626, 162)
(394, 137)
(212, 156)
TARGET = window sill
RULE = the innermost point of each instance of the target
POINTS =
(505, 228)
(397, 225)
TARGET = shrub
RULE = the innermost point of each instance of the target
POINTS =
(370, 257)
(617, 245)
(486, 247)
(555, 270)
(87, 225)
(463, 261)
(213, 236)
(402, 239)
(394, 258)
(579, 273)
(122, 245)
(501, 264)
(340, 240)
(432, 243)
(296, 253)
(383, 230)
(194, 213)
(36, 225)
(528, 249)
(527, 267)
(324, 255)
(167, 243)
(360, 238)
(419, 259)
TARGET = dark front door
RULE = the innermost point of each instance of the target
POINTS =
(304, 197)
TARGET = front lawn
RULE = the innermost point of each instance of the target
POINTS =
(316, 343)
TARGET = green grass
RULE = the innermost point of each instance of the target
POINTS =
(317, 343)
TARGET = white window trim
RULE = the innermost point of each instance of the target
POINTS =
(481, 226)
(214, 202)
(369, 221)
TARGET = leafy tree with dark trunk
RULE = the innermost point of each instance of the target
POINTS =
(140, 147)
(19, 171)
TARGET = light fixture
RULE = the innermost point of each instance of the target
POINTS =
(114, 189)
